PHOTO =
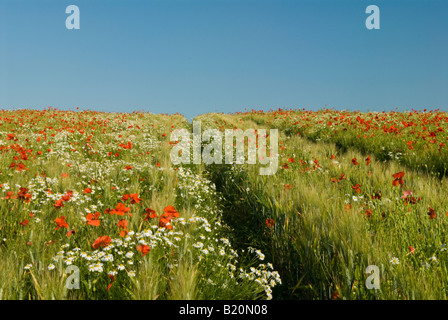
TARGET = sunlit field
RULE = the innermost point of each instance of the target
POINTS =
(92, 207)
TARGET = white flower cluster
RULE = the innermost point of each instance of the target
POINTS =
(207, 241)
(265, 276)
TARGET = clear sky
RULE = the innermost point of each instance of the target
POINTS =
(198, 56)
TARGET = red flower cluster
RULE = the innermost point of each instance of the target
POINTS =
(150, 214)
(119, 210)
(165, 218)
(66, 197)
(103, 241)
(93, 219)
(18, 166)
(22, 194)
(342, 177)
(398, 179)
(357, 188)
(61, 223)
(133, 196)
(126, 146)
(123, 227)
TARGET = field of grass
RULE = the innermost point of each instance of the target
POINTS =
(95, 196)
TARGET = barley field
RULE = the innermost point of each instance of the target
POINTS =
(92, 207)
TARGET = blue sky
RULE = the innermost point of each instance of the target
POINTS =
(198, 56)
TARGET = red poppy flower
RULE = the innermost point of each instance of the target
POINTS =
(24, 222)
(368, 160)
(58, 204)
(144, 249)
(112, 278)
(170, 210)
(357, 188)
(103, 241)
(93, 219)
(431, 213)
(169, 213)
(9, 195)
(70, 233)
(87, 190)
(354, 161)
(123, 226)
(270, 222)
(133, 196)
(24, 195)
(164, 223)
(67, 196)
(398, 179)
(368, 213)
(150, 214)
(61, 223)
(120, 210)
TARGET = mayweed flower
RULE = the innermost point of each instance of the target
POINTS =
(198, 245)
(394, 261)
